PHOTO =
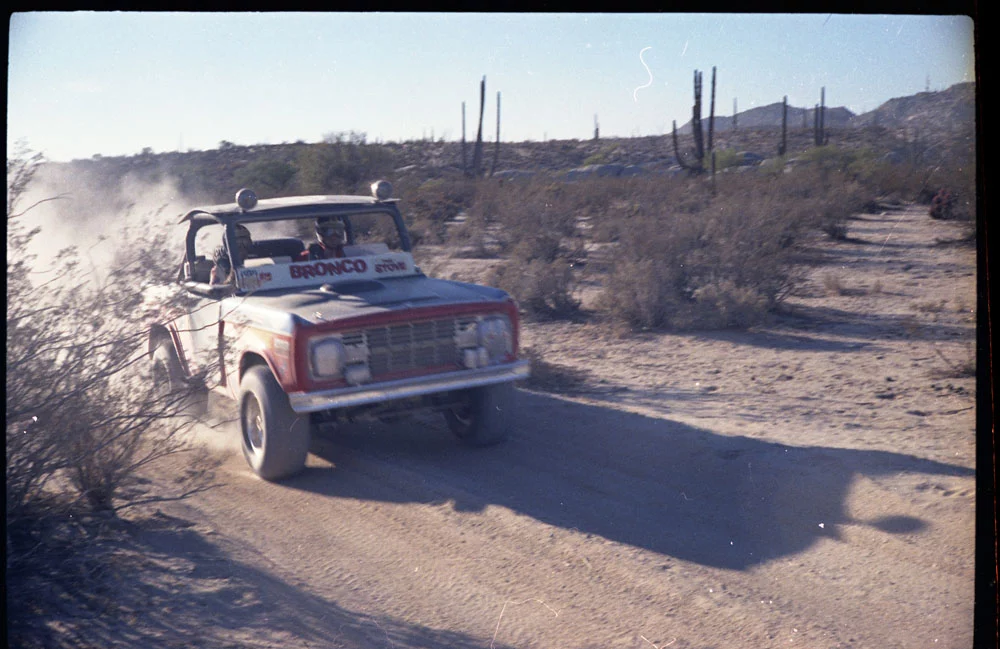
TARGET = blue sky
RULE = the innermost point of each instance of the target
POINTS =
(109, 83)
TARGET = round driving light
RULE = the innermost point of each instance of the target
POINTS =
(381, 190)
(328, 357)
(246, 199)
(496, 337)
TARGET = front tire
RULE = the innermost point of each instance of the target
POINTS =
(485, 417)
(275, 438)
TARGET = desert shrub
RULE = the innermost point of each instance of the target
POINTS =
(607, 153)
(726, 158)
(959, 182)
(344, 163)
(535, 225)
(723, 304)
(725, 265)
(432, 204)
(531, 220)
(541, 288)
(820, 198)
(642, 293)
(81, 420)
(772, 167)
(269, 177)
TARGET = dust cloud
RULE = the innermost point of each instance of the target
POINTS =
(98, 216)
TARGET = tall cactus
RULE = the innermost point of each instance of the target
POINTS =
(711, 114)
(734, 114)
(597, 128)
(822, 115)
(465, 168)
(697, 165)
(477, 152)
(496, 147)
(819, 121)
(696, 130)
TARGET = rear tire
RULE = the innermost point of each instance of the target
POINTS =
(485, 419)
(168, 379)
(167, 374)
(275, 438)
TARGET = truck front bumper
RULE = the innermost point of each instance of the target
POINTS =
(306, 402)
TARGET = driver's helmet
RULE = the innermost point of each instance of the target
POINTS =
(330, 231)
(244, 241)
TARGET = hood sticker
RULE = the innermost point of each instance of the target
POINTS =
(311, 273)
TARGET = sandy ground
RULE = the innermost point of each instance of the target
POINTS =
(808, 483)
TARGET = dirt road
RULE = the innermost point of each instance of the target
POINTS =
(809, 483)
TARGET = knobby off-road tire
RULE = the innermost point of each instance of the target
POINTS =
(485, 419)
(168, 380)
(275, 439)
(168, 377)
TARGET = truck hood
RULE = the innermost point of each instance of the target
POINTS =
(352, 298)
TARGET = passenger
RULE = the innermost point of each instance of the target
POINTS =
(331, 235)
(222, 270)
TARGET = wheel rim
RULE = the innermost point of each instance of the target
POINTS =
(253, 423)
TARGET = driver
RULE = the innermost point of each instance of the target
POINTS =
(222, 270)
(330, 238)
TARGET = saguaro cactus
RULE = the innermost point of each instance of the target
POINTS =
(477, 152)
(496, 146)
(696, 130)
(697, 165)
(597, 128)
(711, 114)
(465, 168)
(819, 120)
(734, 114)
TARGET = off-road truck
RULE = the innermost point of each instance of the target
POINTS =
(303, 344)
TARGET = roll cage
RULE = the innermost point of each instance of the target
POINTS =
(278, 209)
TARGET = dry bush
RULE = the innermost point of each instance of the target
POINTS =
(960, 184)
(535, 226)
(823, 198)
(541, 288)
(702, 261)
(432, 204)
(81, 420)
(685, 254)
(536, 218)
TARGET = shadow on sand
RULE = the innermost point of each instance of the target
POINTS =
(170, 586)
(684, 492)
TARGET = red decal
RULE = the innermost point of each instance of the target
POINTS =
(390, 266)
(324, 268)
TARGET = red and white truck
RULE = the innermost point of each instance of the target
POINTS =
(301, 343)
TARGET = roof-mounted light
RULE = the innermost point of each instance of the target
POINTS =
(381, 190)
(246, 199)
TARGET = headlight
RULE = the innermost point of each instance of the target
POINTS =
(497, 337)
(467, 336)
(327, 357)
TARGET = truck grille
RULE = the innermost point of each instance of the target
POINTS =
(410, 346)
